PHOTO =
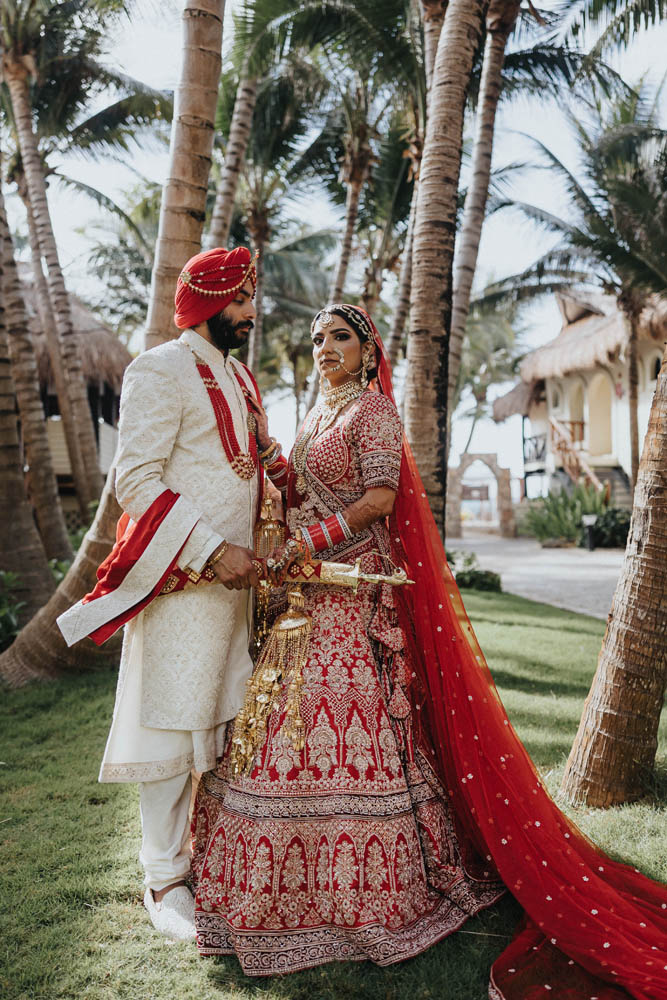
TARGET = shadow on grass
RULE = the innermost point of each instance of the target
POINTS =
(509, 681)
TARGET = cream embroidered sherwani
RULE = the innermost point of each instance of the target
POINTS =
(185, 657)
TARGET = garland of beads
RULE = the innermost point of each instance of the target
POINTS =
(193, 282)
(243, 463)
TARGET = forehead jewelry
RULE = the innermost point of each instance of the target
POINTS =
(324, 318)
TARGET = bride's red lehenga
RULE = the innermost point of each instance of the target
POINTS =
(414, 804)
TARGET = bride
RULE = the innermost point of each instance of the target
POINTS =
(412, 804)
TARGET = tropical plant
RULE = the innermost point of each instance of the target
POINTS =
(122, 259)
(491, 353)
(557, 517)
(276, 164)
(296, 286)
(20, 544)
(10, 608)
(43, 489)
(610, 530)
(36, 37)
(619, 207)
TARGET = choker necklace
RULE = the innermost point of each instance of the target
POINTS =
(335, 399)
(323, 416)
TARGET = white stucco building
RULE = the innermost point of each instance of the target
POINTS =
(574, 396)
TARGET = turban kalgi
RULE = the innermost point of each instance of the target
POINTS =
(209, 282)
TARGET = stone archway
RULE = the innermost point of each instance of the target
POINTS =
(455, 476)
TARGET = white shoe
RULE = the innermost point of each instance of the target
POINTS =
(174, 915)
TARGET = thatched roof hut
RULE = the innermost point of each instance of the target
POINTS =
(517, 400)
(594, 334)
(103, 356)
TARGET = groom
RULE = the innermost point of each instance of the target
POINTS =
(188, 480)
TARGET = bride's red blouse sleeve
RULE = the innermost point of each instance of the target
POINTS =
(376, 433)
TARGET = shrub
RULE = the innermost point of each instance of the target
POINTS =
(468, 575)
(9, 608)
(610, 531)
(478, 579)
(557, 516)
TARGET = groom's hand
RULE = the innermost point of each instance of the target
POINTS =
(235, 569)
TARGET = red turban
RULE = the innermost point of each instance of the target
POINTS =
(209, 282)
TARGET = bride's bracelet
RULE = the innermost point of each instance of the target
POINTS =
(326, 534)
(271, 456)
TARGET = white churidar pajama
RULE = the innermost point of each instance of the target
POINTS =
(165, 830)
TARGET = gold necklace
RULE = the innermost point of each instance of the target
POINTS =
(322, 417)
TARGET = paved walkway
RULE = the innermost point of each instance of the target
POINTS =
(574, 579)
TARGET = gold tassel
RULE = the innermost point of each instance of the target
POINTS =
(282, 659)
(269, 535)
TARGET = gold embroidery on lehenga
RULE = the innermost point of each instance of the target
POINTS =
(348, 849)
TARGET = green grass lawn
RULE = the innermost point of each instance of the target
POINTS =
(72, 924)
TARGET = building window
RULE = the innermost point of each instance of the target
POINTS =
(654, 368)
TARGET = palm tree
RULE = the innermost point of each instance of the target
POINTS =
(43, 486)
(490, 355)
(614, 750)
(39, 650)
(433, 16)
(542, 68)
(122, 259)
(29, 49)
(385, 211)
(433, 248)
(20, 544)
(184, 194)
(276, 166)
(616, 239)
(296, 287)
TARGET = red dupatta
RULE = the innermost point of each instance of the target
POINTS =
(594, 929)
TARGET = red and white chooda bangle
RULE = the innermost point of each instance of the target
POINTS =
(277, 472)
(326, 534)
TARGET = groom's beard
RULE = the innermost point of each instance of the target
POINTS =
(227, 335)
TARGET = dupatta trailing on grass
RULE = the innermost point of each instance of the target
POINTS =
(594, 929)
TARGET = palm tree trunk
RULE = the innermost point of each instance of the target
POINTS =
(47, 323)
(255, 339)
(433, 250)
(351, 212)
(395, 338)
(433, 16)
(183, 207)
(20, 544)
(633, 388)
(373, 281)
(43, 484)
(614, 750)
(76, 417)
(39, 651)
(500, 20)
(475, 418)
(239, 133)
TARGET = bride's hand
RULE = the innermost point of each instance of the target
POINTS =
(262, 435)
(282, 558)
